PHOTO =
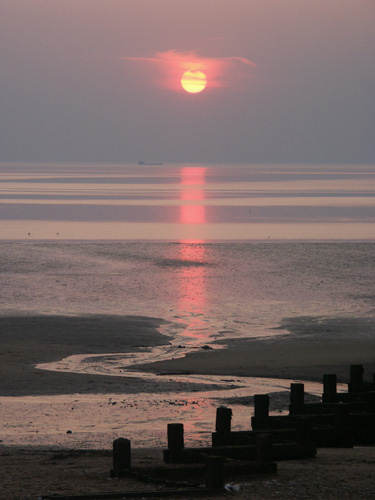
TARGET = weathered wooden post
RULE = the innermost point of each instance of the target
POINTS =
(261, 406)
(215, 472)
(223, 419)
(329, 388)
(297, 398)
(121, 457)
(261, 411)
(175, 438)
(356, 378)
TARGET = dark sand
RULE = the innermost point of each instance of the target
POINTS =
(333, 474)
(312, 347)
(28, 340)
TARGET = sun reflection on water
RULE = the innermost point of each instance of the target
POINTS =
(192, 275)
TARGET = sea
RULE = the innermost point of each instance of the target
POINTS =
(218, 251)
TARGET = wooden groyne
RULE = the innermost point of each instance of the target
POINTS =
(340, 419)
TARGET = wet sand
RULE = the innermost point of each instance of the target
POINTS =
(29, 340)
(307, 348)
(310, 347)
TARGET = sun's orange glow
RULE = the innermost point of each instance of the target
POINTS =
(190, 72)
(194, 81)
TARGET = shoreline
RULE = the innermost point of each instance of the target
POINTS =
(31, 339)
(313, 346)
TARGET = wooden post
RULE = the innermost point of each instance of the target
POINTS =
(121, 457)
(223, 419)
(263, 443)
(261, 406)
(215, 473)
(329, 388)
(297, 398)
(356, 378)
(261, 411)
(175, 437)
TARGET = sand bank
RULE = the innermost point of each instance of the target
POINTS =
(28, 340)
(309, 347)
(313, 346)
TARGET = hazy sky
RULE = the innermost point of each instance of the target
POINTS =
(68, 93)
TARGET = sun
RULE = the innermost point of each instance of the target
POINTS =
(193, 81)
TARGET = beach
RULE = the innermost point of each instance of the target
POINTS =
(136, 296)
(334, 473)
(312, 347)
(29, 340)
(60, 469)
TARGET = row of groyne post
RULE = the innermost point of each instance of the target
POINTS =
(340, 419)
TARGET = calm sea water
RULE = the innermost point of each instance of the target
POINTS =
(206, 290)
(218, 251)
(222, 250)
(185, 202)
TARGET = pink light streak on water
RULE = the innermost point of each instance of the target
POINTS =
(192, 277)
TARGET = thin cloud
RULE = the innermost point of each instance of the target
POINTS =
(186, 57)
(173, 63)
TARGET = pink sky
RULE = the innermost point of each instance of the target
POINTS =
(67, 92)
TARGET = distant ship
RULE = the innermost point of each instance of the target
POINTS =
(150, 163)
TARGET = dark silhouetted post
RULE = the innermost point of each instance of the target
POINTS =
(356, 378)
(329, 388)
(261, 411)
(121, 457)
(261, 406)
(223, 419)
(297, 398)
(215, 473)
(175, 437)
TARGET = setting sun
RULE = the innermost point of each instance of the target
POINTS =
(193, 81)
